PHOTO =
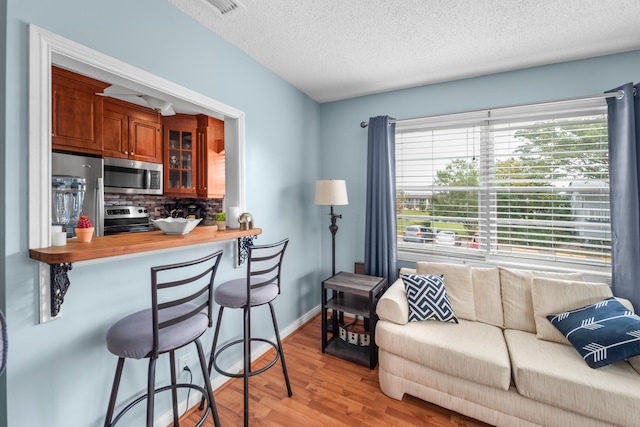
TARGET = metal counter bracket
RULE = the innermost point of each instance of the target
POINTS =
(59, 285)
(244, 243)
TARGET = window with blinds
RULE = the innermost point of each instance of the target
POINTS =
(527, 182)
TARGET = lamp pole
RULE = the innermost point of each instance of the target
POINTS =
(333, 228)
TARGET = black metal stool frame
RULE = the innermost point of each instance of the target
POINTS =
(271, 274)
(156, 307)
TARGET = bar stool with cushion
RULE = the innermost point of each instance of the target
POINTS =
(261, 286)
(181, 311)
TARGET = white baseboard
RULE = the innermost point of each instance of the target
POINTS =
(194, 397)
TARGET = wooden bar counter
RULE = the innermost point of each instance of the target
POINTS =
(60, 258)
(131, 243)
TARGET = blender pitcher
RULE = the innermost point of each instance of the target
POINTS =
(67, 196)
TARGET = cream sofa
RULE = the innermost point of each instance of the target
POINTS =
(503, 363)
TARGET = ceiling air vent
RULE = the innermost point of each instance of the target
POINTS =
(223, 7)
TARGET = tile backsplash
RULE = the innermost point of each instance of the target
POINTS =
(208, 207)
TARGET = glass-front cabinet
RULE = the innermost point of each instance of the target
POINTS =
(180, 151)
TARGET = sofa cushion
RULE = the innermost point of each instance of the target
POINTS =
(486, 295)
(555, 374)
(478, 353)
(393, 305)
(427, 297)
(604, 332)
(516, 296)
(552, 296)
(457, 278)
(635, 363)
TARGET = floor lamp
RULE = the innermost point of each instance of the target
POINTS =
(332, 192)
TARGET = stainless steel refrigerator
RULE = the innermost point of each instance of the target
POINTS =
(92, 170)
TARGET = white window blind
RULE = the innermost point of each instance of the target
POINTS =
(526, 182)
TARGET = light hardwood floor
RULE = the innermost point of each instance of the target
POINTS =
(327, 391)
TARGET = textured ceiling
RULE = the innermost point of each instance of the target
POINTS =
(338, 49)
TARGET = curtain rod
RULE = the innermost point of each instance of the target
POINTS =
(618, 94)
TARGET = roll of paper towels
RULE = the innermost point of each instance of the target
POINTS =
(232, 217)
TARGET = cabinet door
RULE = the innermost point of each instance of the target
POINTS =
(115, 131)
(180, 162)
(76, 121)
(211, 159)
(145, 139)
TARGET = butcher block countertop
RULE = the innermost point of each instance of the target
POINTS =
(131, 243)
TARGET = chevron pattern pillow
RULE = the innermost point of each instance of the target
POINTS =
(427, 298)
(603, 333)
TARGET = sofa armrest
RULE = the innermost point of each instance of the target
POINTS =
(393, 305)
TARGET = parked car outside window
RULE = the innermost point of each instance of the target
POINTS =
(418, 233)
(475, 241)
(447, 237)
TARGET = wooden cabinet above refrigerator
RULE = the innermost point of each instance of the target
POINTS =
(76, 122)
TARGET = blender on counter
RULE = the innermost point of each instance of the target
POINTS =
(67, 197)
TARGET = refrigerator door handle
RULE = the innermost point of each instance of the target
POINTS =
(99, 208)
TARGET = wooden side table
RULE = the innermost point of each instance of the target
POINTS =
(358, 295)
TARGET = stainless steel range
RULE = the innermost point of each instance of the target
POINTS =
(125, 219)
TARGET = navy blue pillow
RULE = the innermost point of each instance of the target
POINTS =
(427, 298)
(603, 333)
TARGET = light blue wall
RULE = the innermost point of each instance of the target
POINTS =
(344, 144)
(60, 372)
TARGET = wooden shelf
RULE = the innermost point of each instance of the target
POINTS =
(131, 243)
(353, 353)
(348, 303)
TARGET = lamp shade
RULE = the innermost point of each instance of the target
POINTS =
(331, 192)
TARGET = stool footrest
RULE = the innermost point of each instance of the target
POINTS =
(160, 390)
(251, 373)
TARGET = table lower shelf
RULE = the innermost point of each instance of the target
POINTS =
(353, 353)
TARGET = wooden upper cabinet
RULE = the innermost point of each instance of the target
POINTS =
(76, 122)
(131, 132)
(180, 165)
(210, 181)
(115, 127)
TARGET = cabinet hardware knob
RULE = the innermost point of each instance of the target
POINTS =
(126, 152)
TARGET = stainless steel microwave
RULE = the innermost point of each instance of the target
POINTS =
(132, 177)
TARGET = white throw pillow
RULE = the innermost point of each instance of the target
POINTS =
(457, 279)
(551, 296)
(516, 296)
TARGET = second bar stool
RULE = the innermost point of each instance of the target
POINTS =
(261, 286)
